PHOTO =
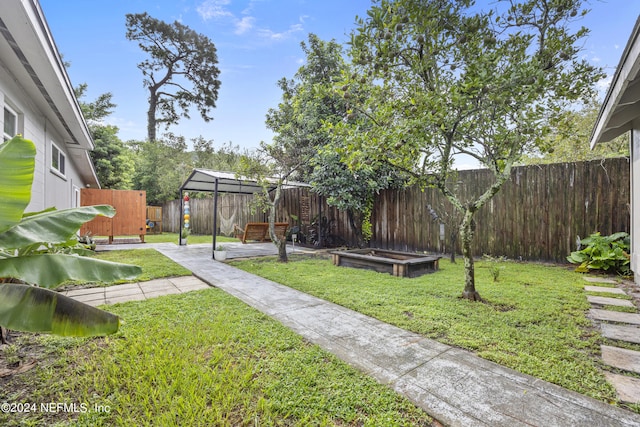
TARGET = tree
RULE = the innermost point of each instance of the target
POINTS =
(180, 72)
(309, 103)
(451, 80)
(94, 112)
(112, 158)
(206, 156)
(161, 166)
(41, 249)
(271, 169)
(351, 190)
(569, 141)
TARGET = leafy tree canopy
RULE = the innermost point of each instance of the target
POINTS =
(161, 167)
(569, 141)
(113, 160)
(224, 158)
(181, 70)
(94, 112)
(310, 103)
(448, 79)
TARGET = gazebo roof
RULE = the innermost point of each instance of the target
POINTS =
(228, 182)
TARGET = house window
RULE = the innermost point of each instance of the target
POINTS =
(57, 160)
(10, 124)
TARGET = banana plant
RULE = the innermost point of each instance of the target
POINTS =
(40, 251)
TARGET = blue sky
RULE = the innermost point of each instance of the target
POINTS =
(258, 43)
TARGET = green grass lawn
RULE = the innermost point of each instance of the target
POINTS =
(199, 359)
(192, 239)
(154, 266)
(205, 358)
(533, 318)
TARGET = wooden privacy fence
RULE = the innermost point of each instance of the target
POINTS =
(537, 215)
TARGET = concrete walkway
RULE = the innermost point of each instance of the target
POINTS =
(454, 386)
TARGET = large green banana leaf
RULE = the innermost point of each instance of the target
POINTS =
(31, 309)
(17, 163)
(49, 270)
(51, 226)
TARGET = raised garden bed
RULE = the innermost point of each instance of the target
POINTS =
(401, 264)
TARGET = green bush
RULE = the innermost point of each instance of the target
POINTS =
(607, 253)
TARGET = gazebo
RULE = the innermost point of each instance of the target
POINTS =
(224, 182)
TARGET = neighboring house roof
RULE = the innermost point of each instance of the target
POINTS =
(29, 53)
(621, 105)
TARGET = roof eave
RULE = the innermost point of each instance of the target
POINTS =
(613, 121)
(38, 68)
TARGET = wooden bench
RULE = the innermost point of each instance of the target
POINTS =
(259, 231)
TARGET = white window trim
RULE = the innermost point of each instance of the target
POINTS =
(15, 115)
(62, 154)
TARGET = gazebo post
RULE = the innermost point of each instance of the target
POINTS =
(180, 218)
(215, 218)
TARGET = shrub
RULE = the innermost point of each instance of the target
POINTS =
(606, 253)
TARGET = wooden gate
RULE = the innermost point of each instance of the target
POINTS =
(130, 217)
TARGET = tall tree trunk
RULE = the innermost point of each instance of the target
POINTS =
(151, 115)
(280, 243)
(467, 229)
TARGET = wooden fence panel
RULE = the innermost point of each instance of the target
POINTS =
(537, 215)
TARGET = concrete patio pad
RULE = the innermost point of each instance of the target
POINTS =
(599, 280)
(616, 291)
(136, 291)
(628, 388)
(618, 302)
(614, 316)
(621, 332)
(621, 358)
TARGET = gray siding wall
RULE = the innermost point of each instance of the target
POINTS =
(49, 189)
(635, 201)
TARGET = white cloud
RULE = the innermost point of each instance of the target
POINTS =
(245, 24)
(250, 7)
(217, 9)
(271, 35)
(603, 84)
(213, 9)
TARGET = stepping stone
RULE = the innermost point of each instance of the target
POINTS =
(610, 301)
(621, 358)
(621, 332)
(628, 388)
(616, 291)
(614, 316)
(599, 280)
